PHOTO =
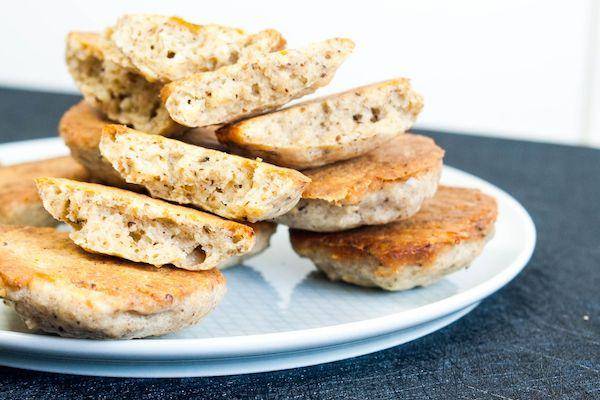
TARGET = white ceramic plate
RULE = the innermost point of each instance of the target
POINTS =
(278, 312)
(227, 365)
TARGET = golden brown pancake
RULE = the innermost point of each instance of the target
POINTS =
(57, 287)
(447, 233)
(347, 182)
(81, 129)
(386, 184)
(20, 203)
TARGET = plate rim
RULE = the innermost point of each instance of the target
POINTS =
(232, 365)
(277, 342)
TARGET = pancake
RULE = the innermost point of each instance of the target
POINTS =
(142, 229)
(81, 129)
(56, 287)
(227, 185)
(258, 84)
(446, 235)
(111, 83)
(164, 48)
(388, 183)
(20, 203)
(328, 129)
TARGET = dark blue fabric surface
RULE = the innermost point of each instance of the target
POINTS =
(530, 340)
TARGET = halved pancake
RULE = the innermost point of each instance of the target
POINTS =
(139, 228)
(446, 235)
(20, 203)
(164, 48)
(255, 85)
(386, 184)
(224, 184)
(81, 129)
(58, 288)
(328, 129)
(110, 83)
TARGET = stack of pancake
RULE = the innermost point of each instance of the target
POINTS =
(189, 162)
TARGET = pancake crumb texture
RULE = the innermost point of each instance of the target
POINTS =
(328, 129)
(253, 86)
(110, 84)
(446, 235)
(129, 225)
(164, 48)
(81, 129)
(58, 288)
(227, 185)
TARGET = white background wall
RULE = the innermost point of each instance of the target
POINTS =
(515, 68)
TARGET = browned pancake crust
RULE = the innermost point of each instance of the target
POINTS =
(81, 129)
(20, 203)
(452, 217)
(29, 256)
(347, 182)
